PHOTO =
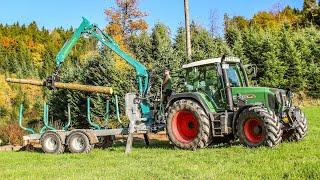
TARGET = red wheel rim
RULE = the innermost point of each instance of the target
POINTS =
(185, 126)
(254, 130)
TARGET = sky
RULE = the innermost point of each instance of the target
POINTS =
(67, 13)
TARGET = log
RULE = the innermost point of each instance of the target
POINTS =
(60, 85)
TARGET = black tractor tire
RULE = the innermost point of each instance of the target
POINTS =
(78, 142)
(258, 126)
(188, 125)
(301, 125)
(51, 143)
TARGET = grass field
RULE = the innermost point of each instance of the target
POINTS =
(161, 161)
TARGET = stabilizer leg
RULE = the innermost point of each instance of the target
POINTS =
(130, 136)
(132, 113)
(129, 143)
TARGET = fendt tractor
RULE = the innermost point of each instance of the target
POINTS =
(217, 105)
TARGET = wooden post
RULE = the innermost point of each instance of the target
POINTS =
(187, 24)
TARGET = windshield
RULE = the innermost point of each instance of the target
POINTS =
(235, 75)
(204, 76)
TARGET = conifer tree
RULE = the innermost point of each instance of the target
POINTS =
(292, 57)
(163, 54)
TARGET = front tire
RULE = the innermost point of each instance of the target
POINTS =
(301, 125)
(258, 126)
(188, 126)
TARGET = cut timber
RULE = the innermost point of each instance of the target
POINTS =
(60, 85)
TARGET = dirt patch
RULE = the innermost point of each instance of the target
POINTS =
(160, 136)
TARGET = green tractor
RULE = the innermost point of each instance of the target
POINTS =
(219, 105)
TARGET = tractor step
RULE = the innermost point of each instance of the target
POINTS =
(221, 124)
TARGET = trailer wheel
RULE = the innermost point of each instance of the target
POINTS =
(51, 143)
(258, 126)
(78, 142)
(188, 126)
(301, 125)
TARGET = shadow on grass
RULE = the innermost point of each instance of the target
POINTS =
(165, 144)
(139, 143)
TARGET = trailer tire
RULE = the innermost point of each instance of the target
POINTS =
(301, 129)
(258, 126)
(78, 142)
(51, 143)
(188, 126)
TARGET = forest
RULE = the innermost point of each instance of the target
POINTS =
(284, 44)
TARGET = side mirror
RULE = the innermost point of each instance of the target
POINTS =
(251, 69)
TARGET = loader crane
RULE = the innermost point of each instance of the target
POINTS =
(142, 75)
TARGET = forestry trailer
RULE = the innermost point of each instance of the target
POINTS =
(217, 105)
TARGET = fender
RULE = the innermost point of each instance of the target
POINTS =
(189, 95)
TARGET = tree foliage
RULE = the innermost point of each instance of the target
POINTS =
(126, 19)
(282, 44)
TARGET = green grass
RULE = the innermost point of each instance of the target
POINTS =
(161, 161)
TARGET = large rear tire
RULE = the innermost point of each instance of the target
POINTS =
(301, 125)
(51, 143)
(188, 126)
(258, 126)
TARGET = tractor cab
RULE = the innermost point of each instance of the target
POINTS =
(218, 105)
(215, 77)
(206, 76)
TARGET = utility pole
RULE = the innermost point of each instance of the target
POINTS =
(187, 24)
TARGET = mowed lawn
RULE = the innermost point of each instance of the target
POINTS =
(161, 161)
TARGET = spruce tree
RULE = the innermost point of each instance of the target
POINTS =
(291, 56)
(163, 55)
(274, 69)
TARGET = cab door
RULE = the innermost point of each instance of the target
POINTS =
(213, 85)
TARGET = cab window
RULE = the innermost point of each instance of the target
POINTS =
(234, 77)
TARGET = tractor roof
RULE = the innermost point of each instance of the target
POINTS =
(211, 61)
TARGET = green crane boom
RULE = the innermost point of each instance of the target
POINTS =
(92, 29)
(142, 75)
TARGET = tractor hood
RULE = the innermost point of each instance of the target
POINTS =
(275, 99)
